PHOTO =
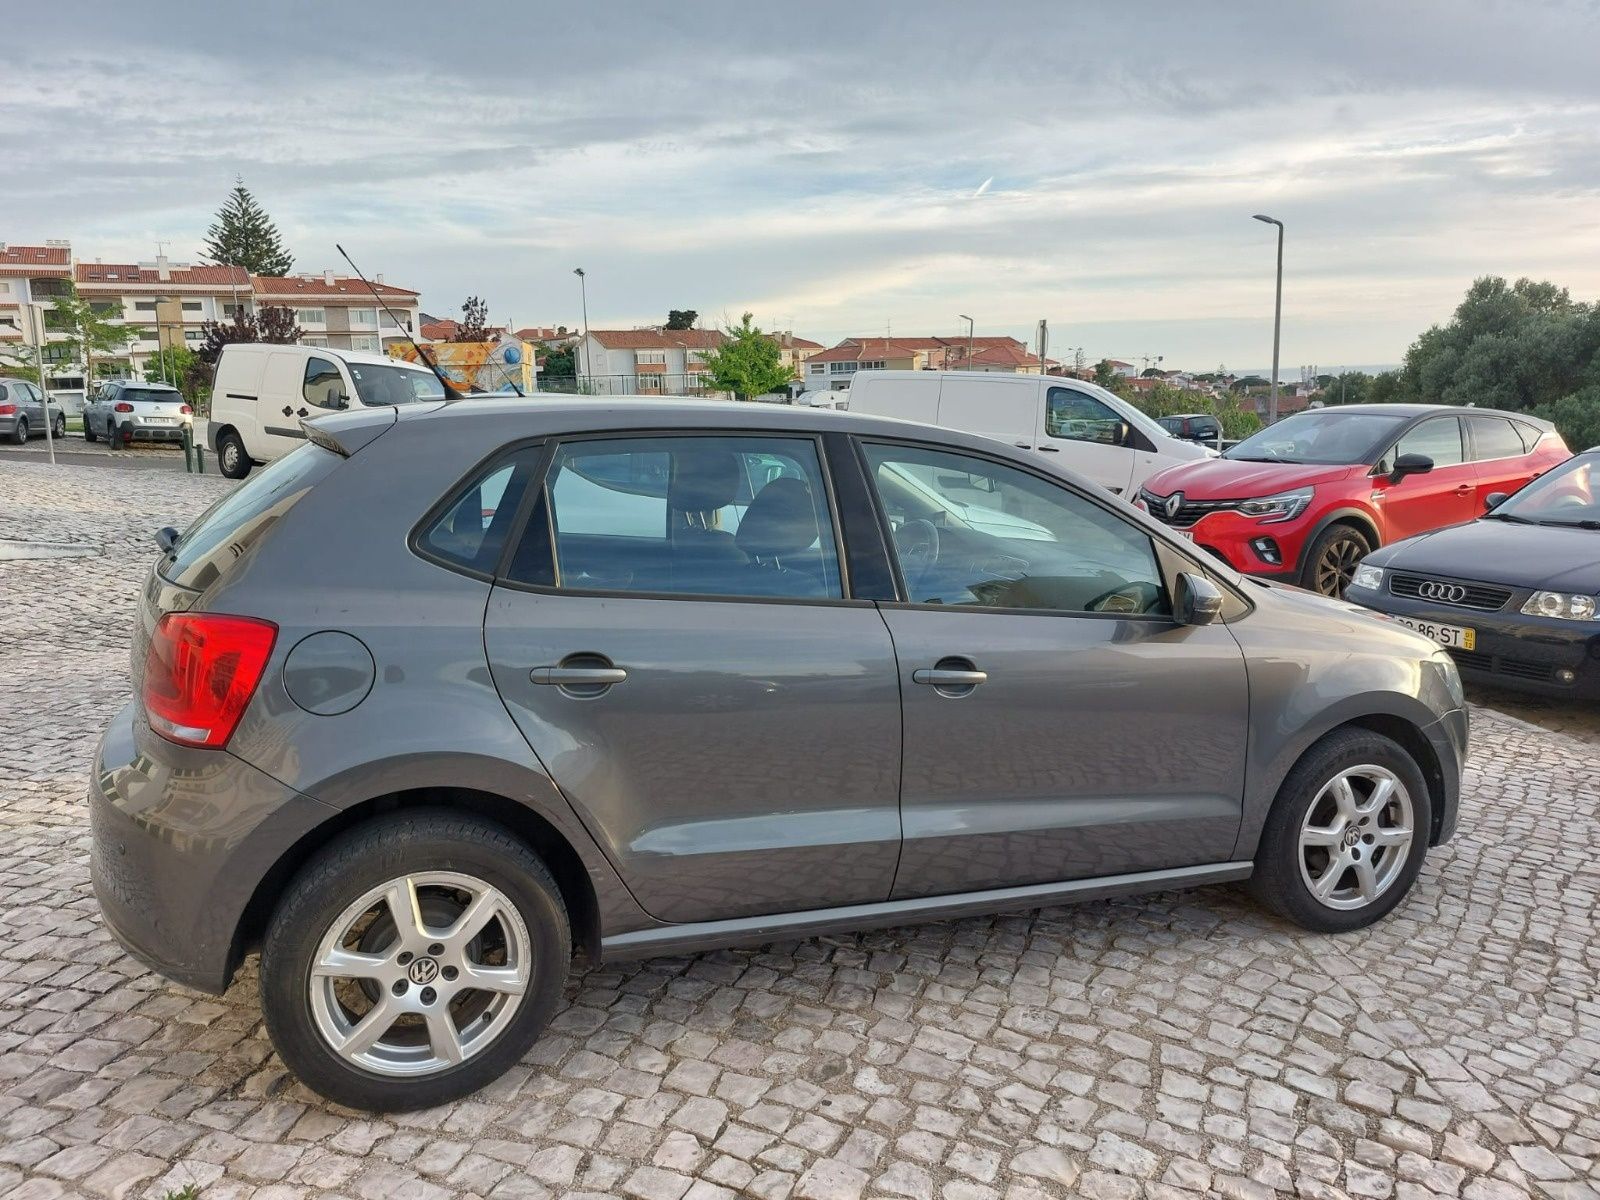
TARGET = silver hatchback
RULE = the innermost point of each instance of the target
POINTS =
(125, 410)
(654, 677)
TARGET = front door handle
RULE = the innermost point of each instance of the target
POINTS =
(287, 411)
(944, 677)
(1050, 449)
(1463, 489)
(578, 676)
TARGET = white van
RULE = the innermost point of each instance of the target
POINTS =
(261, 391)
(1092, 431)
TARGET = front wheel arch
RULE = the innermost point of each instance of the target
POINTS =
(1358, 519)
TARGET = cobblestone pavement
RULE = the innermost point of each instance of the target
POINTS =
(1176, 1045)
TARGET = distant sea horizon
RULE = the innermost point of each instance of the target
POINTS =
(1288, 374)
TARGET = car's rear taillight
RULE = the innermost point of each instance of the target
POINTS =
(8, 410)
(185, 409)
(123, 406)
(200, 673)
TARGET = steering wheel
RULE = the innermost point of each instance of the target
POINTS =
(1129, 598)
(917, 543)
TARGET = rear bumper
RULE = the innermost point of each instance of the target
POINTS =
(180, 839)
(8, 425)
(137, 431)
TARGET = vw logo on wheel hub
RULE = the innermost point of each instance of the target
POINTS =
(422, 971)
(1173, 504)
(1449, 593)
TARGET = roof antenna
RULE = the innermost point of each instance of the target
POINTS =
(449, 388)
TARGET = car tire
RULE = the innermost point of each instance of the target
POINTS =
(438, 864)
(1332, 559)
(59, 429)
(19, 431)
(232, 461)
(88, 429)
(1312, 829)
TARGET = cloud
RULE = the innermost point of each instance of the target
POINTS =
(741, 160)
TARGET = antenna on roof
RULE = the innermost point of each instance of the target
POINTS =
(449, 388)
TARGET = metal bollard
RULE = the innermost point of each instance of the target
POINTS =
(199, 459)
(188, 450)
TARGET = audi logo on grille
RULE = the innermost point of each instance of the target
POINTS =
(1449, 593)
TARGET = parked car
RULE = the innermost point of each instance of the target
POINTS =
(22, 407)
(130, 411)
(262, 392)
(1511, 595)
(656, 676)
(1305, 500)
(1086, 428)
(1193, 427)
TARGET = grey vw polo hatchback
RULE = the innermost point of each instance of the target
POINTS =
(455, 692)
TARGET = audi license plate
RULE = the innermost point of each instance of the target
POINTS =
(1455, 636)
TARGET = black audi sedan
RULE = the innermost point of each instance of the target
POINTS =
(1513, 595)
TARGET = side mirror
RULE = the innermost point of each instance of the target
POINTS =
(1494, 500)
(166, 538)
(1197, 601)
(1410, 464)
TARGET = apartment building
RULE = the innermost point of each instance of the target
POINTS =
(649, 361)
(161, 304)
(32, 275)
(340, 312)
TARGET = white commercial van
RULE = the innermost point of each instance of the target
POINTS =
(1080, 425)
(262, 390)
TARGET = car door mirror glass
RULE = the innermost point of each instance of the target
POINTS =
(1196, 600)
(1493, 501)
(1410, 464)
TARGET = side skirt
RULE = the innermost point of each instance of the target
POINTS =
(706, 935)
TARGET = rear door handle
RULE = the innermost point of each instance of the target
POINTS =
(568, 676)
(945, 677)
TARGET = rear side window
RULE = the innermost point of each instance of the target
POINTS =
(228, 529)
(1530, 434)
(471, 529)
(1495, 437)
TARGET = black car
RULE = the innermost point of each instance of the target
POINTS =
(1193, 427)
(1512, 595)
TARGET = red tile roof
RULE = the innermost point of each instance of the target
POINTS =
(316, 287)
(868, 350)
(546, 333)
(440, 331)
(42, 256)
(123, 276)
(657, 339)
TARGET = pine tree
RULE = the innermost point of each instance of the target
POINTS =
(244, 236)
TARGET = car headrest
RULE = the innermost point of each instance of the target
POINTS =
(780, 520)
(702, 480)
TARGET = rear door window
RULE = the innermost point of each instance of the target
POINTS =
(227, 530)
(1494, 437)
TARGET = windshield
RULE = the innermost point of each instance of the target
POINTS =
(378, 384)
(1567, 495)
(1327, 437)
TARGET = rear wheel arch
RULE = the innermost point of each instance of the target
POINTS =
(563, 861)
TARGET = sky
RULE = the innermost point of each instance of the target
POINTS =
(844, 169)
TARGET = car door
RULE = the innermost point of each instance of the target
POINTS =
(1501, 462)
(674, 641)
(30, 406)
(1087, 434)
(1445, 495)
(1058, 723)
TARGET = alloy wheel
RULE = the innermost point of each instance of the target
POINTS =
(419, 974)
(1337, 566)
(1356, 837)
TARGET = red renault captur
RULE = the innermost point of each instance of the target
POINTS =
(1303, 501)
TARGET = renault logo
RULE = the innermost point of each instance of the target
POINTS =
(1173, 504)
(423, 970)
(1448, 593)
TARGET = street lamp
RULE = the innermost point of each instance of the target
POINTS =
(968, 320)
(1277, 320)
(36, 315)
(583, 291)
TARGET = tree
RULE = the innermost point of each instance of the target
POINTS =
(748, 364)
(474, 323)
(1105, 374)
(271, 324)
(244, 236)
(88, 330)
(557, 361)
(682, 318)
